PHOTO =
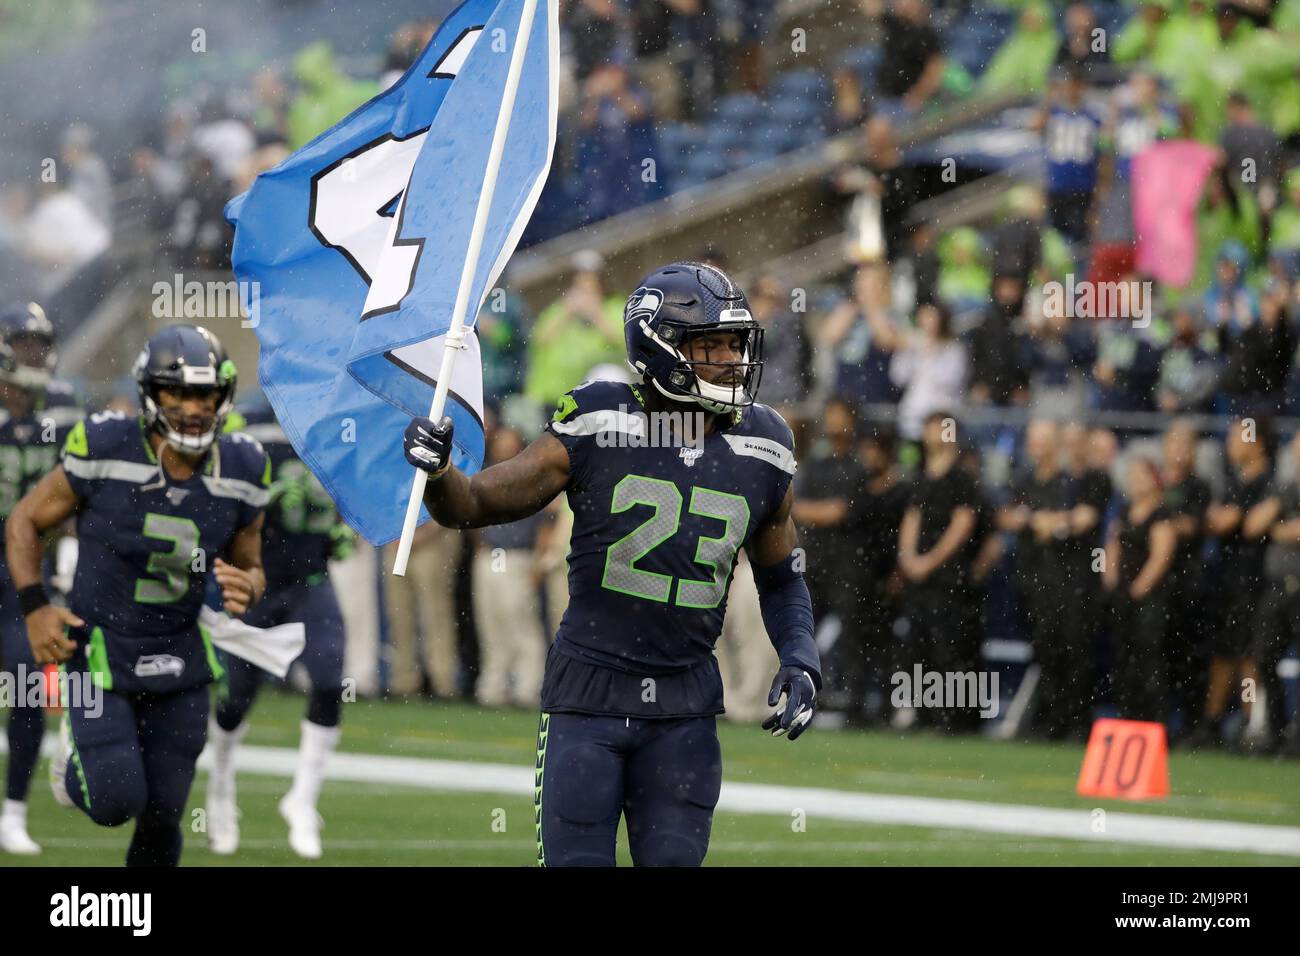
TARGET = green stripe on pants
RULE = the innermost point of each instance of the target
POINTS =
(537, 787)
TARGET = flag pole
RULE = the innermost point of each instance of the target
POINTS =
(455, 340)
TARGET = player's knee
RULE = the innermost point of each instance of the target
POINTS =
(231, 711)
(116, 806)
(325, 706)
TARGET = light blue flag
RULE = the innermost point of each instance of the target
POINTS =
(351, 250)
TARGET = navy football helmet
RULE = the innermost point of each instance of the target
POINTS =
(675, 303)
(28, 336)
(185, 358)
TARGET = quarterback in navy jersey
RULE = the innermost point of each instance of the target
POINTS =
(159, 500)
(36, 412)
(303, 534)
(632, 687)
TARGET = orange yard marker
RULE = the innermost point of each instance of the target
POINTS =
(1126, 759)
(52, 688)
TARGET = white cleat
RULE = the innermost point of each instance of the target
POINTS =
(223, 820)
(304, 826)
(14, 838)
(59, 764)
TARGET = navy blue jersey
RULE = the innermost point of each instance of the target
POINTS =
(654, 542)
(61, 394)
(147, 544)
(1137, 128)
(303, 528)
(29, 444)
(1072, 149)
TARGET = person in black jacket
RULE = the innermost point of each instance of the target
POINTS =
(1241, 527)
(1259, 357)
(934, 555)
(999, 371)
(827, 509)
(1187, 496)
(1140, 549)
(1038, 510)
(880, 516)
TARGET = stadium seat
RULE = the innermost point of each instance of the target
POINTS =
(800, 83)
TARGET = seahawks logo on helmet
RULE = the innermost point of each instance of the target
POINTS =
(643, 304)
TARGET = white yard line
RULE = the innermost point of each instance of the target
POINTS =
(1043, 822)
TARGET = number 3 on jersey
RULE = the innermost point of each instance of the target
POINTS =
(172, 566)
(621, 572)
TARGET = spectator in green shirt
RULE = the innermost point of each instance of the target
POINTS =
(580, 330)
(1285, 234)
(1022, 63)
(328, 94)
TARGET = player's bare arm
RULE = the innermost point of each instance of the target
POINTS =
(776, 540)
(508, 491)
(46, 506)
(241, 579)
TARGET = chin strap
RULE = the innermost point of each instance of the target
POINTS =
(709, 405)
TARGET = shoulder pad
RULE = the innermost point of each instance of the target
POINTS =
(243, 458)
(592, 397)
(60, 392)
(767, 422)
(102, 435)
(763, 434)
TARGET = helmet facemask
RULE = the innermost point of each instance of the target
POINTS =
(174, 431)
(739, 385)
(35, 359)
(188, 382)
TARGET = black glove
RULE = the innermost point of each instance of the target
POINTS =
(796, 685)
(428, 446)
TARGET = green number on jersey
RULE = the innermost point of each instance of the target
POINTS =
(172, 566)
(621, 572)
(305, 505)
(11, 477)
(19, 464)
(718, 552)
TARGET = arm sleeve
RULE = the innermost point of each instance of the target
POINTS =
(788, 616)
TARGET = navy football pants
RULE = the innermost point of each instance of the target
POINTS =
(664, 776)
(26, 725)
(135, 761)
(317, 607)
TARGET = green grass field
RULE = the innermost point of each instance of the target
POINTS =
(378, 824)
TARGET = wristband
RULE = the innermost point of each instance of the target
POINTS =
(32, 598)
